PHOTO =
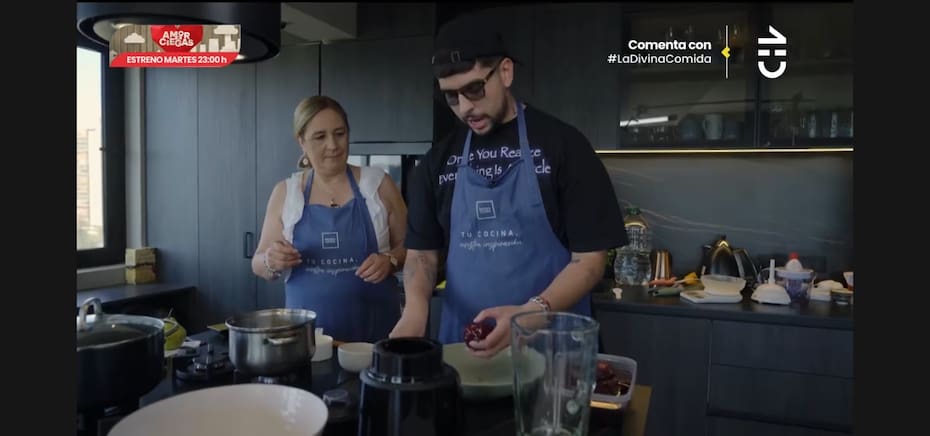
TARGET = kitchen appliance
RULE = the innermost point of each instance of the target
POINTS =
(715, 284)
(717, 289)
(232, 410)
(701, 297)
(271, 342)
(771, 292)
(408, 390)
(796, 279)
(720, 258)
(119, 358)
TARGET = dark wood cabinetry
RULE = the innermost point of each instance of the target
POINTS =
(720, 378)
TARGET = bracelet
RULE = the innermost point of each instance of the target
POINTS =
(275, 274)
(540, 300)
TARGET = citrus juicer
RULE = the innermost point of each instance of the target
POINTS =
(771, 292)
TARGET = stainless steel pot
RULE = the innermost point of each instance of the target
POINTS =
(119, 357)
(271, 342)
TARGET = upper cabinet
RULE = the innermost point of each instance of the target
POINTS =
(385, 86)
(678, 88)
(811, 103)
(685, 76)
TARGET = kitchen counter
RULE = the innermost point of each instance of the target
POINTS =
(490, 418)
(130, 293)
(636, 299)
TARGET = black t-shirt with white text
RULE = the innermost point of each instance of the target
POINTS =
(577, 193)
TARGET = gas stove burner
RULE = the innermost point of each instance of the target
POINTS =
(208, 366)
(298, 378)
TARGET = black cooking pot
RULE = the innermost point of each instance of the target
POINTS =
(120, 358)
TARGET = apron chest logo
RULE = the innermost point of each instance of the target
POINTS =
(485, 209)
(330, 240)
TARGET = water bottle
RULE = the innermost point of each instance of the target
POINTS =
(632, 266)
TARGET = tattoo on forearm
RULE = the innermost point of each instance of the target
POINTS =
(423, 263)
(429, 267)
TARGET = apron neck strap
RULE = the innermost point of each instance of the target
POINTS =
(355, 188)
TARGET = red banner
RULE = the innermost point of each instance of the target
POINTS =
(173, 60)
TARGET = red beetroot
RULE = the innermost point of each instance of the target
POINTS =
(477, 332)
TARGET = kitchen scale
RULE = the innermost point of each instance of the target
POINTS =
(717, 289)
(698, 296)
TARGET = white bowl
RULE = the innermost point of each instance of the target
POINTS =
(355, 356)
(716, 284)
(233, 410)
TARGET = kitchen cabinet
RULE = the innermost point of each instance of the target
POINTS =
(280, 84)
(393, 20)
(720, 377)
(171, 171)
(217, 141)
(691, 103)
(571, 78)
(811, 104)
(737, 427)
(639, 100)
(385, 86)
(672, 357)
(225, 189)
(794, 376)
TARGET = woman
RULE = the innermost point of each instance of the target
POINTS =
(335, 232)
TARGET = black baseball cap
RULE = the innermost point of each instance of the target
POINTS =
(465, 39)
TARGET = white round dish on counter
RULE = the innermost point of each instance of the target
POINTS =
(716, 284)
(355, 356)
(234, 410)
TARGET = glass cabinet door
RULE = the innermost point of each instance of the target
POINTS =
(811, 104)
(692, 96)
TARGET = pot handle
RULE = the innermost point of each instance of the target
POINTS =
(82, 315)
(282, 341)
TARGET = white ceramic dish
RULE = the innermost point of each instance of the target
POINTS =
(234, 410)
(355, 356)
(484, 379)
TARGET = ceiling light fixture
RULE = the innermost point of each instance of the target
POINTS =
(260, 22)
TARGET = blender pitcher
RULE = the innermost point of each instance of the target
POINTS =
(554, 358)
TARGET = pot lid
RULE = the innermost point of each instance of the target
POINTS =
(102, 330)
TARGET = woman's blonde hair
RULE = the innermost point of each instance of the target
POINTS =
(307, 109)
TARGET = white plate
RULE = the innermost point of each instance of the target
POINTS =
(234, 410)
(483, 379)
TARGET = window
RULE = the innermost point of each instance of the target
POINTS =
(391, 164)
(101, 212)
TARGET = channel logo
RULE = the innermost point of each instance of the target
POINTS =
(776, 40)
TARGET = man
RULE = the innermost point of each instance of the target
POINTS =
(514, 200)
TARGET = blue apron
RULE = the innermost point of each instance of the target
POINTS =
(333, 243)
(502, 250)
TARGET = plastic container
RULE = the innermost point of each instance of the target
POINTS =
(624, 368)
(633, 264)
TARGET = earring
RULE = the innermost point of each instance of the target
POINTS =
(304, 162)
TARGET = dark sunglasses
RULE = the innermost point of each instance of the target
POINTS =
(473, 91)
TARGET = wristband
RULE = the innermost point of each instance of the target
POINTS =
(540, 300)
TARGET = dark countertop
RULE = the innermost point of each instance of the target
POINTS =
(635, 299)
(490, 418)
(125, 293)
